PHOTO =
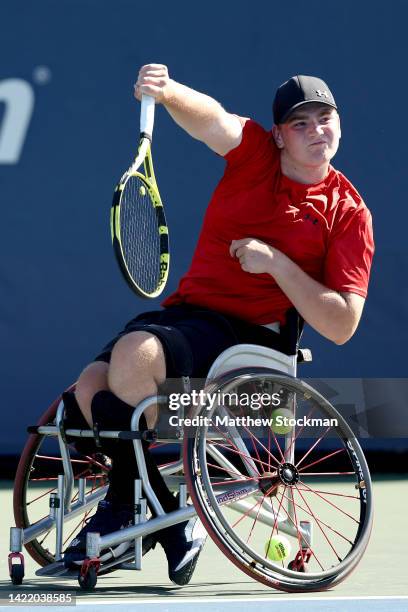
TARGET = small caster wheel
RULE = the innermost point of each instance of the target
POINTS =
(17, 573)
(297, 567)
(88, 580)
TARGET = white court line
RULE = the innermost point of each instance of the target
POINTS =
(199, 600)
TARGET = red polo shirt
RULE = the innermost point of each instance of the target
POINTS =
(325, 228)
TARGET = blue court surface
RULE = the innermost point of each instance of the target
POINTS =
(308, 604)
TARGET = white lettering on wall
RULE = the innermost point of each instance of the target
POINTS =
(18, 97)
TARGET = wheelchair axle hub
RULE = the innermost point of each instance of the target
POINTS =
(269, 483)
(288, 474)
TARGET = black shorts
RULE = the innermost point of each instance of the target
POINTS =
(192, 337)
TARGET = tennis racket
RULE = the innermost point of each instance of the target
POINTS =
(139, 231)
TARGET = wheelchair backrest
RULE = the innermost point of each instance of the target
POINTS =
(253, 355)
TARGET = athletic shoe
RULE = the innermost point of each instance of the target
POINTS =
(182, 544)
(108, 517)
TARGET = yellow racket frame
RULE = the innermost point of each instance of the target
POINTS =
(149, 181)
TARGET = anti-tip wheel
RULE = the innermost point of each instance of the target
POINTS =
(17, 574)
(88, 581)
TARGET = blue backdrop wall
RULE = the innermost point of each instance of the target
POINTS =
(69, 125)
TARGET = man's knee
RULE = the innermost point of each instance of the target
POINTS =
(136, 355)
(93, 378)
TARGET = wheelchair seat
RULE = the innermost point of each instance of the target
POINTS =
(247, 355)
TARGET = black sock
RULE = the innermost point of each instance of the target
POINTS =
(112, 413)
(74, 419)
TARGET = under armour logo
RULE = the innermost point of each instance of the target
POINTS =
(321, 93)
(310, 218)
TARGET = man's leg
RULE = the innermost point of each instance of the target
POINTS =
(98, 375)
(136, 368)
(93, 379)
(137, 365)
(116, 510)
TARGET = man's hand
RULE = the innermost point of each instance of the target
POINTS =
(199, 115)
(153, 80)
(255, 256)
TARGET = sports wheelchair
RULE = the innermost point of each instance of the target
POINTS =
(248, 485)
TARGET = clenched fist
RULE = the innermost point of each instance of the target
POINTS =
(153, 80)
(255, 256)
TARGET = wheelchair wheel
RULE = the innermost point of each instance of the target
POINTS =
(37, 475)
(251, 485)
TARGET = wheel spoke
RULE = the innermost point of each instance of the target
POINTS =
(335, 494)
(301, 535)
(238, 452)
(40, 496)
(312, 447)
(80, 524)
(340, 450)
(47, 533)
(320, 527)
(245, 514)
(258, 502)
(270, 455)
(276, 516)
(95, 462)
(299, 431)
(327, 473)
(244, 457)
(164, 465)
(256, 518)
(310, 490)
(224, 482)
(303, 509)
(50, 458)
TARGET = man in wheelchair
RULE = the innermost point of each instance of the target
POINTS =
(283, 229)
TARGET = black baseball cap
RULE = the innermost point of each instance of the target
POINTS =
(299, 90)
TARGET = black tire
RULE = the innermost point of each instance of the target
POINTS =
(17, 574)
(89, 580)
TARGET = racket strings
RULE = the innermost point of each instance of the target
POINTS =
(140, 235)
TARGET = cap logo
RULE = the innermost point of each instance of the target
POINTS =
(321, 93)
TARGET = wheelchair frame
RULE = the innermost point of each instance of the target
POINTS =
(228, 364)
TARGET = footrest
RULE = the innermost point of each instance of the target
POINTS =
(58, 569)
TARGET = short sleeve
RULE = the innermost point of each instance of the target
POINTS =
(254, 158)
(256, 144)
(350, 252)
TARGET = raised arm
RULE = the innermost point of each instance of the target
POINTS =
(199, 115)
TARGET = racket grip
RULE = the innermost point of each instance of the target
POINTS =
(147, 115)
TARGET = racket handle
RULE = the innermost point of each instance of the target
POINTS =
(147, 115)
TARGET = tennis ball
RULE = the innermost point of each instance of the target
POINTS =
(277, 548)
(142, 190)
(280, 420)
